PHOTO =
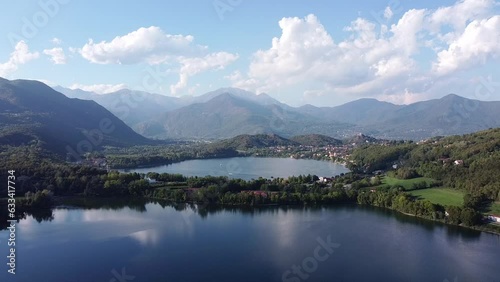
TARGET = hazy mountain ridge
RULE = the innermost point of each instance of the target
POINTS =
(228, 112)
(224, 116)
(449, 115)
(360, 112)
(132, 107)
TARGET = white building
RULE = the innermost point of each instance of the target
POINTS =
(150, 180)
(494, 218)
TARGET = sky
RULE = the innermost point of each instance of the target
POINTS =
(319, 52)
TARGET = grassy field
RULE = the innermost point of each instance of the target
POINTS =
(407, 184)
(442, 196)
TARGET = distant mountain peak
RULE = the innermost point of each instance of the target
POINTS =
(452, 96)
(224, 96)
(263, 98)
(230, 90)
(369, 101)
(234, 89)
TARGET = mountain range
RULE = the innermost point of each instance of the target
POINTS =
(229, 112)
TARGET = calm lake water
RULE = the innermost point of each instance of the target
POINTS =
(154, 242)
(248, 168)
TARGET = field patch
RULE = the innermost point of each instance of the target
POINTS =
(407, 184)
(442, 196)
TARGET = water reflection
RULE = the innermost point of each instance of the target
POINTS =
(38, 215)
(95, 206)
(138, 205)
(149, 237)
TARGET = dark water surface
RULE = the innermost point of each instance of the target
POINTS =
(248, 168)
(155, 242)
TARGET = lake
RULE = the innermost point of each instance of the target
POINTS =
(248, 168)
(141, 241)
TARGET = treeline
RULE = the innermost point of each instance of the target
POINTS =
(402, 202)
(215, 194)
(136, 156)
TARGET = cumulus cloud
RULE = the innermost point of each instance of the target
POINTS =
(307, 52)
(21, 55)
(478, 43)
(302, 48)
(458, 15)
(374, 59)
(192, 66)
(99, 88)
(56, 55)
(154, 47)
(151, 45)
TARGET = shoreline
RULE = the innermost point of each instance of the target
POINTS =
(446, 223)
(60, 204)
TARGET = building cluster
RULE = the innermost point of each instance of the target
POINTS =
(339, 153)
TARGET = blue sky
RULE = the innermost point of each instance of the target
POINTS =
(298, 51)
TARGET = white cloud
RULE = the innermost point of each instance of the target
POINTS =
(388, 13)
(404, 98)
(478, 43)
(153, 46)
(21, 55)
(99, 88)
(460, 14)
(302, 48)
(56, 41)
(374, 59)
(234, 76)
(56, 55)
(150, 45)
(306, 52)
(193, 66)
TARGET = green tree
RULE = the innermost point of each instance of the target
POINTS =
(454, 214)
(470, 217)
